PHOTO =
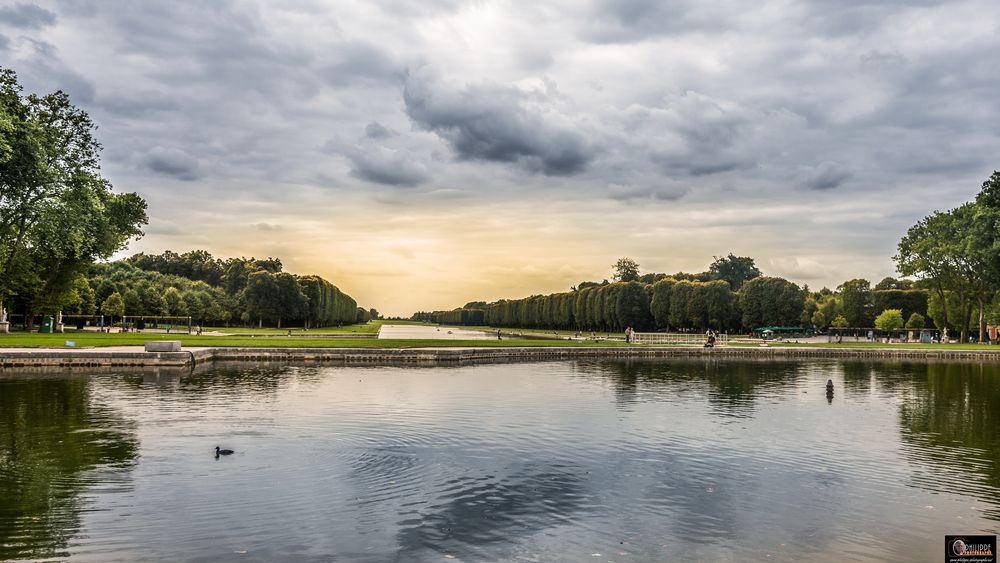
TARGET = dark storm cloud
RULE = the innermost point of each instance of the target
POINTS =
(495, 123)
(27, 16)
(660, 103)
(387, 167)
(174, 163)
(826, 176)
(625, 21)
(377, 131)
(698, 135)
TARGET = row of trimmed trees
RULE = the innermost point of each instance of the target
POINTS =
(698, 302)
(247, 290)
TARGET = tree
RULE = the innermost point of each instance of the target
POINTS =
(856, 302)
(173, 302)
(632, 306)
(113, 306)
(626, 270)
(362, 316)
(915, 322)
(956, 251)
(767, 301)
(840, 322)
(889, 321)
(57, 214)
(888, 283)
(292, 302)
(720, 304)
(660, 302)
(133, 303)
(736, 270)
(262, 296)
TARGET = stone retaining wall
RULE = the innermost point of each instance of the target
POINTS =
(95, 357)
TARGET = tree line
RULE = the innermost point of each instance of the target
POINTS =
(684, 301)
(209, 290)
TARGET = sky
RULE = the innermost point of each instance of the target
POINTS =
(424, 154)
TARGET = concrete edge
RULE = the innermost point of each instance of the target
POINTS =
(15, 359)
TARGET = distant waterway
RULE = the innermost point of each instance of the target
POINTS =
(672, 460)
(422, 332)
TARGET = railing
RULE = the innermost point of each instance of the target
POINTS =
(679, 338)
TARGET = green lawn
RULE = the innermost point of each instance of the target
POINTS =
(93, 339)
(96, 339)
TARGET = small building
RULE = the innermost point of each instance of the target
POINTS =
(775, 332)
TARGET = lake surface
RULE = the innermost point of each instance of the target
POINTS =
(696, 460)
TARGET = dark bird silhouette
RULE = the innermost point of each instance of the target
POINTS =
(219, 452)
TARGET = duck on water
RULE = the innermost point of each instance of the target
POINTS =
(219, 451)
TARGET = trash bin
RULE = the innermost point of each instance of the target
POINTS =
(47, 324)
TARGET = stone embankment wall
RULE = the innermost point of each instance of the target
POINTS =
(96, 357)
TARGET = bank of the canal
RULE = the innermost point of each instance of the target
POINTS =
(135, 356)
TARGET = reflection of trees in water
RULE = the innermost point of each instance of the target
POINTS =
(861, 376)
(732, 385)
(50, 435)
(951, 418)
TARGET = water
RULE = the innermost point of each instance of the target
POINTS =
(695, 460)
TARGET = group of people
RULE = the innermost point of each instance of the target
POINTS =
(629, 335)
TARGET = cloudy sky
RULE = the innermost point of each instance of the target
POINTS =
(424, 154)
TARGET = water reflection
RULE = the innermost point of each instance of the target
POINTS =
(732, 388)
(52, 437)
(696, 459)
(950, 419)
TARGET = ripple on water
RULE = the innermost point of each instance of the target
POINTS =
(546, 461)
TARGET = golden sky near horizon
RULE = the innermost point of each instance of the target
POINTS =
(442, 256)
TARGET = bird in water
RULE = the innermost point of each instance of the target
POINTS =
(219, 451)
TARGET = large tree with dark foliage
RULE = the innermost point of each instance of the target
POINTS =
(57, 214)
(736, 270)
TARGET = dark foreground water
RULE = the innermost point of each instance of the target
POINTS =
(559, 461)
